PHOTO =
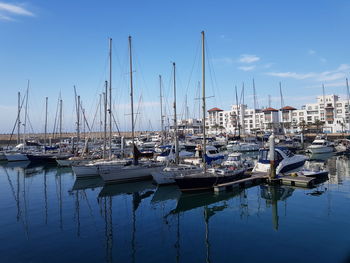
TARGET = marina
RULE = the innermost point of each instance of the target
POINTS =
(148, 131)
(50, 212)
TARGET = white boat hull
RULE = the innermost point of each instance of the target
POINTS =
(168, 177)
(322, 149)
(115, 174)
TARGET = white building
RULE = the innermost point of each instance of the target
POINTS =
(329, 109)
(188, 126)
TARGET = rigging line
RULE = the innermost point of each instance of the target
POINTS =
(18, 116)
(138, 110)
(194, 63)
(212, 73)
(86, 122)
(97, 111)
(55, 122)
(116, 124)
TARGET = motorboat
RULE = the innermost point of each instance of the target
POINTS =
(320, 145)
(236, 159)
(285, 161)
(237, 146)
(168, 174)
(169, 154)
(213, 156)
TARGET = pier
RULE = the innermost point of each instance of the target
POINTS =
(253, 180)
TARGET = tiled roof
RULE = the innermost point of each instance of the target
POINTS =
(269, 109)
(215, 109)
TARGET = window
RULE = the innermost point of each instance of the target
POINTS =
(301, 113)
(339, 111)
(339, 105)
(309, 118)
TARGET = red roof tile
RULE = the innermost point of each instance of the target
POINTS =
(215, 109)
(288, 108)
(269, 109)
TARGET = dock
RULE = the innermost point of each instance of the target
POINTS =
(259, 178)
(301, 181)
(253, 180)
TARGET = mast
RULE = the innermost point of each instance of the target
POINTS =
(110, 98)
(19, 118)
(255, 107)
(282, 105)
(78, 119)
(45, 130)
(100, 109)
(132, 103)
(25, 116)
(105, 120)
(242, 109)
(203, 102)
(238, 122)
(348, 97)
(61, 117)
(161, 110)
(175, 122)
(281, 95)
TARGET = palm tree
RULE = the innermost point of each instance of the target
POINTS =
(303, 126)
(319, 124)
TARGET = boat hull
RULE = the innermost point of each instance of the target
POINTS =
(85, 170)
(326, 149)
(168, 177)
(203, 183)
(120, 174)
(16, 157)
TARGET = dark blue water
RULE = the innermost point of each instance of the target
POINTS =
(48, 216)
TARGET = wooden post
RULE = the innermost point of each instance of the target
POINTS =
(272, 156)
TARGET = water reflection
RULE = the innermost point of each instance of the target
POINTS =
(272, 194)
(123, 222)
(321, 156)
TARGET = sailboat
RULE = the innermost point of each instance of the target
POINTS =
(206, 179)
(168, 174)
(135, 171)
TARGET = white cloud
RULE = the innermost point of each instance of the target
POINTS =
(336, 74)
(338, 84)
(268, 65)
(9, 10)
(226, 60)
(245, 58)
(247, 68)
(292, 75)
(311, 52)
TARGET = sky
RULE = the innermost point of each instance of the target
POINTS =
(57, 45)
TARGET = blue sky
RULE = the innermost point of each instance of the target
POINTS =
(58, 44)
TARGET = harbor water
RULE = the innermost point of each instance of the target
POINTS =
(49, 216)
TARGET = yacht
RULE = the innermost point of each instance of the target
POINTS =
(169, 154)
(285, 161)
(237, 146)
(212, 156)
(320, 145)
(236, 160)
